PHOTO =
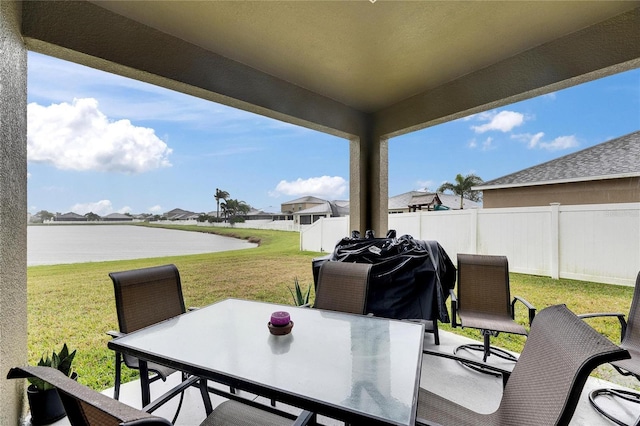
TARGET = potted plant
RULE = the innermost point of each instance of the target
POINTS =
(300, 298)
(44, 401)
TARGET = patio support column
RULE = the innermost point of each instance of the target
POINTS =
(368, 184)
(13, 210)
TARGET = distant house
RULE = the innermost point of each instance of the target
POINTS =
(603, 174)
(69, 217)
(117, 217)
(326, 209)
(300, 204)
(179, 214)
(420, 201)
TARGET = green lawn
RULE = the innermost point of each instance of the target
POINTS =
(75, 303)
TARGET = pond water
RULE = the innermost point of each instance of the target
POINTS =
(55, 244)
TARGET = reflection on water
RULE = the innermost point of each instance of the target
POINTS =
(51, 244)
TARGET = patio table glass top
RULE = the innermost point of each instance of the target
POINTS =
(331, 363)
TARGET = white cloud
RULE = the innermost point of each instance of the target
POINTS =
(28, 175)
(425, 185)
(503, 121)
(101, 208)
(486, 145)
(536, 141)
(155, 209)
(326, 187)
(79, 136)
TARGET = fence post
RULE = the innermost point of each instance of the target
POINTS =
(554, 241)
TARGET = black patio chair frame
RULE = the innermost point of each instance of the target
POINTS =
(484, 302)
(546, 383)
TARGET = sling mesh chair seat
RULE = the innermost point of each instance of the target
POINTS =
(545, 385)
(484, 302)
(630, 340)
(343, 286)
(86, 407)
(145, 297)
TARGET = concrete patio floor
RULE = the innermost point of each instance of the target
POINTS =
(477, 391)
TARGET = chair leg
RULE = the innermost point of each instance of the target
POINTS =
(487, 350)
(619, 393)
(116, 387)
(436, 335)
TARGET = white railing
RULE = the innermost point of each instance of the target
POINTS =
(599, 243)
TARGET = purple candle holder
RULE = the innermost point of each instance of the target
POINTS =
(280, 318)
(280, 323)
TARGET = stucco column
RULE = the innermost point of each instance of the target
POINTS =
(369, 184)
(13, 210)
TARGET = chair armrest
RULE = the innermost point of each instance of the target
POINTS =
(114, 333)
(504, 373)
(623, 322)
(454, 308)
(530, 307)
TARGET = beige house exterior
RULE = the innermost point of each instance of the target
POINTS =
(606, 173)
(360, 70)
(302, 203)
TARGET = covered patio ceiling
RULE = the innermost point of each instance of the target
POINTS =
(324, 64)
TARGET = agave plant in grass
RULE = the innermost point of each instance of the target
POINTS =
(300, 298)
(44, 401)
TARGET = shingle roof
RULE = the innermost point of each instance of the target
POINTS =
(307, 199)
(452, 201)
(613, 159)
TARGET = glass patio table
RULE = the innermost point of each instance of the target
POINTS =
(355, 368)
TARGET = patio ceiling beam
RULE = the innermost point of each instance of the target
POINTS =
(602, 49)
(84, 33)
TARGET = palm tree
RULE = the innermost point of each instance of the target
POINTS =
(220, 195)
(462, 187)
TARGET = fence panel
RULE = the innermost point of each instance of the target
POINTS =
(598, 243)
(522, 235)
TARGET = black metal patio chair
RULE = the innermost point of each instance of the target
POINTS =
(343, 286)
(145, 297)
(630, 340)
(86, 407)
(484, 302)
(546, 383)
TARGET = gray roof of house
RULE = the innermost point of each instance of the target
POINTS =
(307, 199)
(402, 201)
(616, 158)
(341, 208)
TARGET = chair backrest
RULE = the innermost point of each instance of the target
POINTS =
(147, 296)
(631, 338)
(560, 353)
(85, 406)
(343, 286)
(483, 284)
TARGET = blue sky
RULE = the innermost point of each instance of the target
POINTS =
(104, 143)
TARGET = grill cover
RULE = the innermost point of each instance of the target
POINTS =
(410, 279)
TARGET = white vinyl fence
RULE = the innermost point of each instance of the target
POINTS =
(599, 243)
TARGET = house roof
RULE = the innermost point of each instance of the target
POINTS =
(117, 216)
(70, 215)
(338, 207)
(617, 158)
(307, 199)
(452, 201)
